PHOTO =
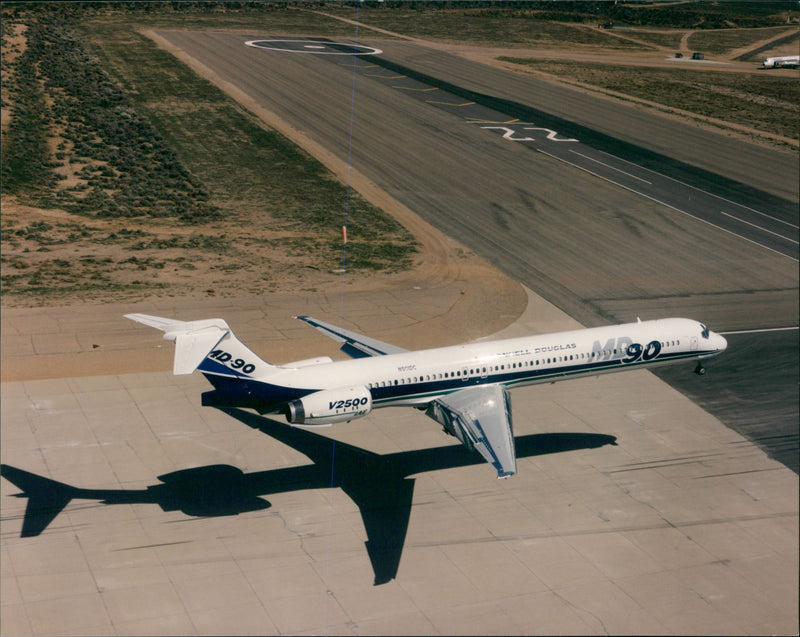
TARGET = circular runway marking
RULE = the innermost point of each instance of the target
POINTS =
(317, 47)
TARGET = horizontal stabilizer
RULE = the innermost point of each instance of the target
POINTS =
(46, 498)
(160, 323)
(193, 339)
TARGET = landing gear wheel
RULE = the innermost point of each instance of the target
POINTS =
(699, 370)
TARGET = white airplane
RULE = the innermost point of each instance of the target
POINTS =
(462, 387)
(783, 62)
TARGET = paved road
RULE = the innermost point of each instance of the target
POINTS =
(601, 251)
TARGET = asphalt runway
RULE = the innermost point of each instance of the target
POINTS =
(642, 216)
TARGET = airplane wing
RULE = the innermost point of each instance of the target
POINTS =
(354, 345)
(480, 417)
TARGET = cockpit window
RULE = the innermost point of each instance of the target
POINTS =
(703, 330)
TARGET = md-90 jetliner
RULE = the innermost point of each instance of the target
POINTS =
(464, 387)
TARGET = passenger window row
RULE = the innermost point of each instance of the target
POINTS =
(483, 371)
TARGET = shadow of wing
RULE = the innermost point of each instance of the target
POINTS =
(385, 507)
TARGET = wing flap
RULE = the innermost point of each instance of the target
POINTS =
(353, 344)
(480, 417)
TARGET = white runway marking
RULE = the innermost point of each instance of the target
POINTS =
(705, 192)
(664, 203)
(316, 47)
(611, 167)
(777, 234)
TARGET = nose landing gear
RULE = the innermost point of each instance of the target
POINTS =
(699, 370)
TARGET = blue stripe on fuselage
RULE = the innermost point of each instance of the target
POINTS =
(423, 389)
(215, 367)
(247, 391)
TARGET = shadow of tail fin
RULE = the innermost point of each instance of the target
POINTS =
(46, 498)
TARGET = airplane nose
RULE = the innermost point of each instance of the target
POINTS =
(720, 343)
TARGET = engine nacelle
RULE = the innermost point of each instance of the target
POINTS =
(330, 406)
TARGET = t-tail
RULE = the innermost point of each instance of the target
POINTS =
(46, 498)
(209, 346)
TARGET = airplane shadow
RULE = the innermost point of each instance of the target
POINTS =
(381, 486)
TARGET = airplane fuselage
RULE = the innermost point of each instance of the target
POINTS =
(418, 377)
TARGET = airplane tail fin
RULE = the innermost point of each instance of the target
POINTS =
(208, 345)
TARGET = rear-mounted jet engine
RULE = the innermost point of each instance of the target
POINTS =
(330, 406)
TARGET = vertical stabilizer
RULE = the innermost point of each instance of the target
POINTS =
(192, 347)
(208, 345)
